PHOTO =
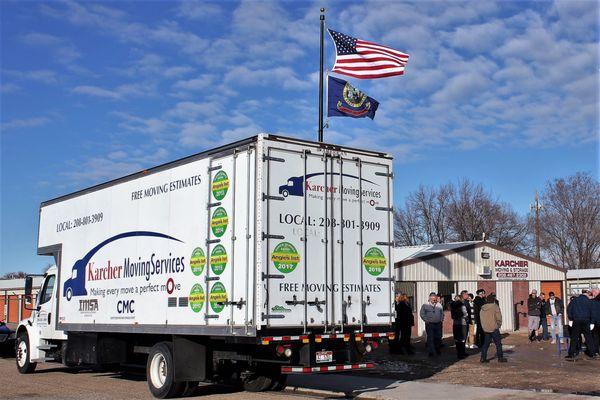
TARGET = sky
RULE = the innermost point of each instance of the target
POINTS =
(505, 94)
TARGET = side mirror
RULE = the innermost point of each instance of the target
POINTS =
(28, 289)
(28, 286)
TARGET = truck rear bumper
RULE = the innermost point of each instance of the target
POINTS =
(326, 368)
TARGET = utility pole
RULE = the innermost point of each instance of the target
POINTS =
(536, 206)
(322, 53)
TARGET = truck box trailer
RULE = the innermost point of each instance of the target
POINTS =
(257, 259)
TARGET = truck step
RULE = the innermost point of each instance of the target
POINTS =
(44, 359)
(47, 346)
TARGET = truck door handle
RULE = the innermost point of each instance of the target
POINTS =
(294, 301)
(239, 304)
(317, 303)
(49, 315)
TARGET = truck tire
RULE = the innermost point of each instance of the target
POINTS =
(24, 364)
(279, 382)
(256, 382)
(159, 372)
(190, 388)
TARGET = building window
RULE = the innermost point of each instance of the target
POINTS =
(446, 290)
(409, 289)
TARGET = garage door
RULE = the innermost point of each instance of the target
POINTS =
(555, 286)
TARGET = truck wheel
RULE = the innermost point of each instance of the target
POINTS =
(256, 382)
(159, 372)
(24, 364)
(69, 294)
(190, 388)
(279, 382)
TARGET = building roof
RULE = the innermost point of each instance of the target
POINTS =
(583, 273)
(19, 283)
(413, 252)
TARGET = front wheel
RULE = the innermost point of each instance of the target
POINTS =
(69, 294)
(24, 364)
(160, 374)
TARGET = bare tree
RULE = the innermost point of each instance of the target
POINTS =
(570, 221)
(461, 212)
(14, 275)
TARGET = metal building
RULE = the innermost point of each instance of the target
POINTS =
(449, 268)
(12, 299)
(579, 279)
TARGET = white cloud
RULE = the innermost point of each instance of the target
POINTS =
(9, 87)
(25, 123)
(195, 84)
(198, 135)
(197, 10)
(285, 77)
(118, 93)
(187, 110)
(41, 75)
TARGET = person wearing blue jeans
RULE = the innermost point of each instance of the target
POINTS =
(555, 308)
(432, 314)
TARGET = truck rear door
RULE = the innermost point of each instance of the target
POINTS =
(328, 236)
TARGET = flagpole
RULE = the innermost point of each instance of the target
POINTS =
(322, 51)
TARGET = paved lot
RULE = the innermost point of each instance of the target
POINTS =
(55, 382)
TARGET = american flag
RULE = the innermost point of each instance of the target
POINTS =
(366, 60)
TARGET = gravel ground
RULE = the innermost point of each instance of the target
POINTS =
(53, 381)
(536, 366)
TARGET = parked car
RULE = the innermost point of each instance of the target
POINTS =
(7, 340)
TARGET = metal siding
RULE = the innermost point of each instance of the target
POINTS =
(470, 286)
(504, 295)
(537, 285)
(462, 266)
(423, 290)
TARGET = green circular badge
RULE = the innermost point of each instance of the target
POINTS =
(218, 294)
(197, 261)
(218, 259)
(196, 298)
(285, 257)
(374, 261)
(220, 185)
(219, 221)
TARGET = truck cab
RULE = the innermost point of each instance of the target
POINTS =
(37, 336)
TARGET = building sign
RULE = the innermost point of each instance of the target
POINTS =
(511, 269)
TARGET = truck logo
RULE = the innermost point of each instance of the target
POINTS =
(75, 285)
(126, 306)
(296, 185)
(88, 305)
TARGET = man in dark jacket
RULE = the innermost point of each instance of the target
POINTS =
(596, 318)
(533, 314)
(580, 312)
(555, 309)
(543, 318)
(405, 320)
(478, 303)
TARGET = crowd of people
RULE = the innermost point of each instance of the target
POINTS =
(477, 319)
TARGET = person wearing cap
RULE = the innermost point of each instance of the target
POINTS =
(432, 314)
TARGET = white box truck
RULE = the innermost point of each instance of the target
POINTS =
(251, 261)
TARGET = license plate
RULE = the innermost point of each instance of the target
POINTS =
(324, 356)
